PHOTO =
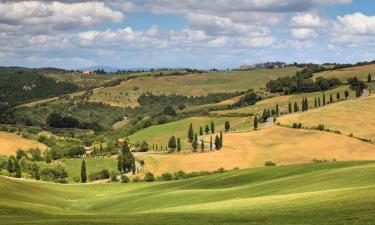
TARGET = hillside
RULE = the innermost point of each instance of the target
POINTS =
(252, 149)
(126, 93)
(343, 74)
(10, 143)
(302, 194)
(349, 117)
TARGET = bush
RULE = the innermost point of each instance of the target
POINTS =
(77, 179)
(269, 163)
(113, 176)
(124, 179)
(166, 177)
(4, 172)
(220, 170)
(26, 175)
(104, 174)
(136, 179)
(320, 127)
(149, 177)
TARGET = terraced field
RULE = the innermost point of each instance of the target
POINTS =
(127, 93)
(323, 193)
(251, 149)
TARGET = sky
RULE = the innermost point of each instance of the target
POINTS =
(200, 34)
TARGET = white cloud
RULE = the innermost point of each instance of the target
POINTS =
(306, 20)
(303, 33)
(356, 23)
(46, 16)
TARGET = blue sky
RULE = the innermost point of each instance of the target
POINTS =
(191, 33)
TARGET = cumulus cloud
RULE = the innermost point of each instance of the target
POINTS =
(47, 16)
(306, 20)
(356, 23)
(303, 33)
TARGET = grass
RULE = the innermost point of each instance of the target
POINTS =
(343, 74)
(10, 143)
(127, 93)
(283, 101)
(326, 193)
(73, 166)
(355, 116)
(160, 134)
(284, 146)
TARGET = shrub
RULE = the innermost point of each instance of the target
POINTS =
(104, 174)
(77, 179)
(166, 177)
(113, 176)
(136, 179)
(124, 179)
(26, 175)
(320, 127)
(149, 177)
(269, 163)
(4, 172)
(220, 170)
(179, 175)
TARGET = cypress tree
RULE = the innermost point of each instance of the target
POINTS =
(319, 102)
(221, 139)
(346, 94)
(178, 144)
(303, 104)
(306, 104)
(369, 78)
(338, 96)
(191, 133)
(207, 129)
(36, 172)
(315, 103)
(217, 142)
(202, 145)
(211, 142)
(331, 98)
(277, 109)
(227, 126)
(265, 115)
(324, 99)
(212, 127)
(10, 164)
(255, 122)
(200, 131)
(83, 172)
(17, 169)
(295, 107)
(290, 107)
(195, 143)
(172, 143)
(119, 163)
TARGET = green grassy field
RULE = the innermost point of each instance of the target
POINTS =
(127, 93)
(324, 193)
(283, 101)
(73, 166)
(160, 134)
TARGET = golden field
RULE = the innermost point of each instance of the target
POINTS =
(10, 143)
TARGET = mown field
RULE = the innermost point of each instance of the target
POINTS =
(321, 193)
(281, 145)
(10, 143)
(126, 94)
(270, 103)
(160, 134)
(343, 74)
(349, 117)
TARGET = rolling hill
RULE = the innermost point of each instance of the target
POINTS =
(10, 143)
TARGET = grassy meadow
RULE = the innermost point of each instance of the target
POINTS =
(343, 74)
(160, 134)
(349, 117)
(320, 193)
(10, 143)
(126, 94)
(284, 146)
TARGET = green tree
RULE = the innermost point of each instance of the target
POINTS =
(290, 107)
(227, 126)
(324, 99)
(346, 94)
(319, 102)
(338, 96)
(255, 122)
(195, 143)
(36, 171)
(207, 129)
(200, 131)
(178, 144)
(277, 109)
(211, 142)
(202, 145)
(191, 133)
(212, 127)
(119, 163)
(369, 78)
(330, 98)
(315, 103)
(149, 177)
(295, 107)
(217, 142)
(17, 168)
(172, 143)
(10, 164)
(221, 139)
(83, 172)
